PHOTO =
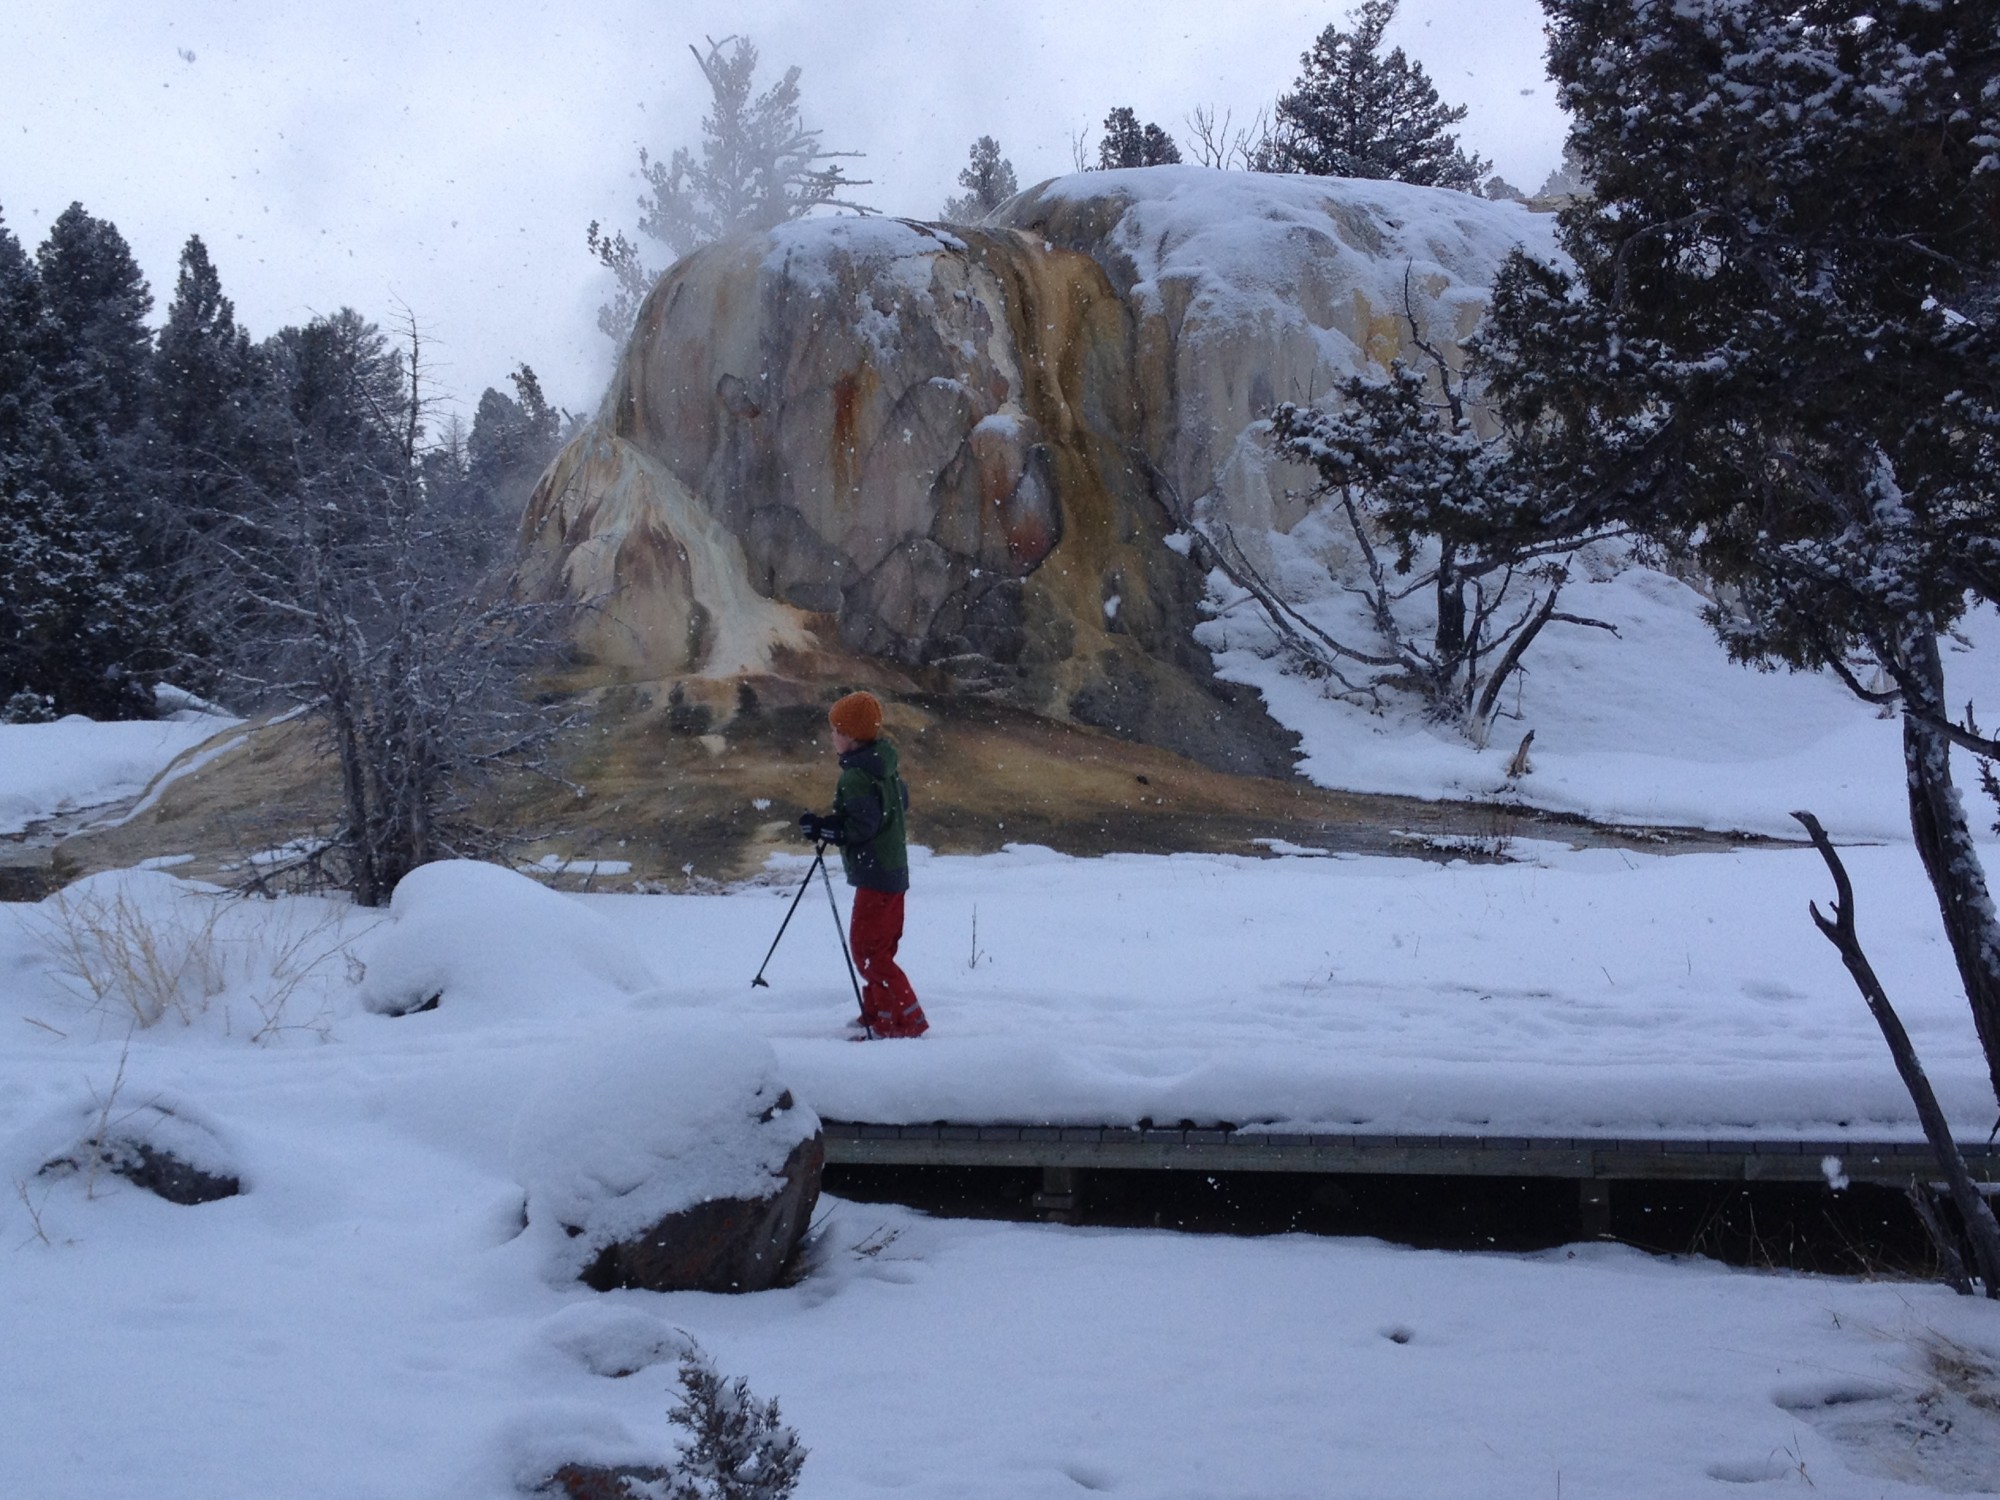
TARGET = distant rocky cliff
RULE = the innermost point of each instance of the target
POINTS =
(955, 460)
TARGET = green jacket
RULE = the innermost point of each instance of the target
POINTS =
(869, 808)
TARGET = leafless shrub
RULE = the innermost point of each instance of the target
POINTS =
(34, 1209)
(144, 961)
(138, 961)
(286, 945)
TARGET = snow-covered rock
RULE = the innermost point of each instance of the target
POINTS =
(670, 1155)
(153, 1140)
(490, 940)
(841, 447)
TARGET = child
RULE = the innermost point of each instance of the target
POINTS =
(867, 824)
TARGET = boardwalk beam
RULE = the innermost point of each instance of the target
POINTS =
(1059, 1152)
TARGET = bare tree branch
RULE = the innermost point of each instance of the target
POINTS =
(1976, 1213)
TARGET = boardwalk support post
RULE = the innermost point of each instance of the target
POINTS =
(1593, 1197)
(1056, 1201)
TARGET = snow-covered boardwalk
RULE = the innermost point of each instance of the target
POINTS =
(1598, 994)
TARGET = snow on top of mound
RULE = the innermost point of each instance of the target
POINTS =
(478, 936)
(49, 769)
(1259, 246)
(894, 258)
(645, 1119)
(807, 250)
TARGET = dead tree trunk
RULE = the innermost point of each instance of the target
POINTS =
(1982, 1231)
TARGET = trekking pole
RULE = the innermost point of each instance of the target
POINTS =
(841, 933)
(819, 863)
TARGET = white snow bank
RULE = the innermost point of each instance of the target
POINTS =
(485, 939)
(809, 251)
(49, 769)
(609, 1338)
(645, 1119)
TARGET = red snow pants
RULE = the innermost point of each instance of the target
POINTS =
(888, 1004)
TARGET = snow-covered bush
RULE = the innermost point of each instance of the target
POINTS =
(462, 931)
(738, 1449)
(646, 1119)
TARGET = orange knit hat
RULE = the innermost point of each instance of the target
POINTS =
(858, 716)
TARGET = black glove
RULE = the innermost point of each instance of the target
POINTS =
(813, 827)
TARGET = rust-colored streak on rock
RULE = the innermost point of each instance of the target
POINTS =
(998, 461)
(1029, 540)
(845, 449)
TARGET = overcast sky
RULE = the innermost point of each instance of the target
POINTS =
(447, 156)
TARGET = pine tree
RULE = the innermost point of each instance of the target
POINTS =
(1569, 179)
(23, 336)
(1778, 352)
(83, 628)
(759, 167)
(99, 360)
(341, 388)
(988, 180)
(512, 435)
(205, 370)
(1399, 458)
(211, 413)
(511, 441)
(1355, 113)
(1127, 143)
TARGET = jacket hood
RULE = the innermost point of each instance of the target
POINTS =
(877, 758)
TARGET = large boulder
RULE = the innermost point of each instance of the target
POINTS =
(881, 451)
(733, 1244)
(955, 460)
(668, 1155)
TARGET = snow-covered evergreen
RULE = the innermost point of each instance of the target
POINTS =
(1354, 112)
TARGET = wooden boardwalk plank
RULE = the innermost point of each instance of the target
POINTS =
(1069, 1147)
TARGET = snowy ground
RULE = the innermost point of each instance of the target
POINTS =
(1652, 725)
(369, 1320)
(361, 1326)
(49, 769)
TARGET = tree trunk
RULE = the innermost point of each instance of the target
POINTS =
(347, 743)
(1944, 843)
(1448, 641)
